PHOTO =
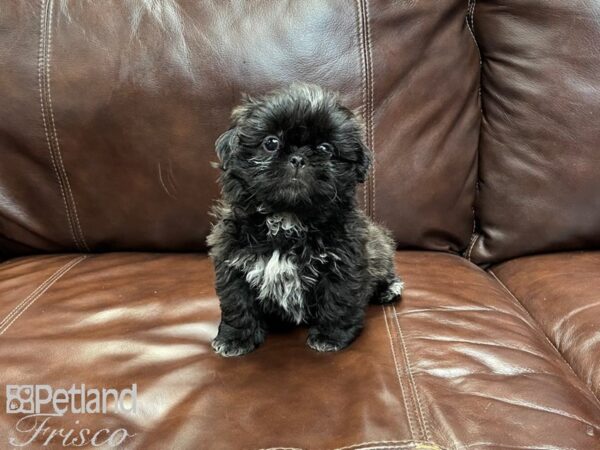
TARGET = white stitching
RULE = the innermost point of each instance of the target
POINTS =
(37, 293)
(471, 27)
(281, 448)
(390, 444)
(31, 298)
(58, 152)
(389, 447)
(404, 444)
(411, 379)
(371, 111)
(363, 70)
(408, 414)
(474, 238)
(41, 78)
(470, 11)
(17, 308)
(48, 41)
(49, 124)
(349, 447)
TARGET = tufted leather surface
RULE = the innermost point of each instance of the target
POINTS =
(112, 108)
(458, 364)
(562, 293)
(539, 175)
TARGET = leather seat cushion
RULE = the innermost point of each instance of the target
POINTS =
(457, 363)
(562, 293)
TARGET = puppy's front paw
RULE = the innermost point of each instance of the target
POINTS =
(229, 347)
(322, 343)
(393, 291)
(332, 339)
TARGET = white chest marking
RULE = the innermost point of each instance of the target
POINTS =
(277, 280)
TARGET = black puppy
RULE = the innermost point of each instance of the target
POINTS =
(290, 244)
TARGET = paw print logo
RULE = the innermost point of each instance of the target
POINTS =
(19, 399)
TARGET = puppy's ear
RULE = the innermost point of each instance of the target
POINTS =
(244, 110)
(227, 143)
(363, 161)
(225, 146)
(363, 153)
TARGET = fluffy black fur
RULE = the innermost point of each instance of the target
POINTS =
(290, 244)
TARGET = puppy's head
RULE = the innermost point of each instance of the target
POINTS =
(293, 149)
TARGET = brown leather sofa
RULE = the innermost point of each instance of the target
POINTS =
(484, 119)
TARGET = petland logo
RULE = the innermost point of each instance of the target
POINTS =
(41, 403)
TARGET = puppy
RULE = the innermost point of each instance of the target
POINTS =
(290, 244)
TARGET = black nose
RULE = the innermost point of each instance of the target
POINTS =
(297, 161)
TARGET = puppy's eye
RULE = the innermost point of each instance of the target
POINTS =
(325, 148)
(271, 144)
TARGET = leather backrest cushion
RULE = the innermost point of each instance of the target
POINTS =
(111, 109)
(539, 187)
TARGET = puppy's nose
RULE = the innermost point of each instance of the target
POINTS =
(297, 161)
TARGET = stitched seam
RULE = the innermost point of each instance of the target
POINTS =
(413, 401)
(363, 70)
(73, 205)
(380, 445)
(41, 79)
(371, 110)
(541, 331)
(411, 379)
(24, 305)
(398, 374)
(44, 59)
(41, 287)
(390, 444)
(474, 238)
(470, 8)
(61, 165)
(281, 448)
(471, 27)
(49, 7)
(31, 298)
(388, 447)
(477, 237)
